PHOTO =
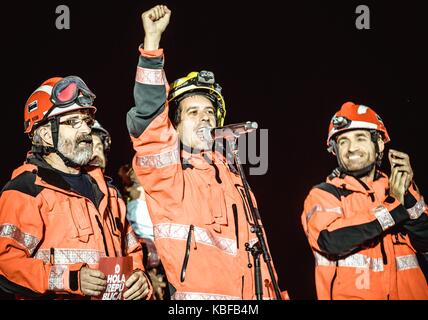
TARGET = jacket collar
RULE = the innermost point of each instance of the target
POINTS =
(52, 178)
(351, 183)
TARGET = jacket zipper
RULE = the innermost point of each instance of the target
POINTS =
(384, 256)
(332, 281)
(187, 254)
(235, 216)
(100, 225)
(242, 288)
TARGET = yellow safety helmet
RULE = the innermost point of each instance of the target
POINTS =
(204, 83)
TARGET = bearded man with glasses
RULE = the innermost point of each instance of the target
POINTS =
(58, 216)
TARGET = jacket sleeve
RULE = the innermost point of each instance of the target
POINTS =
(417, 225)
(21, 230)
(336, 233)
(134, 249)
(150, 91)
(156, 162)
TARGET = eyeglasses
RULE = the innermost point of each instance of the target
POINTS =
(76, 123)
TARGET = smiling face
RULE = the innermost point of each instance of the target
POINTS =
(197, 112)
(356, 149)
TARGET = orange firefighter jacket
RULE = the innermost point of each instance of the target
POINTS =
(195, 201)
(366, 244)
(48, 232)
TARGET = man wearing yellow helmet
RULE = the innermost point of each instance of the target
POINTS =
(194, 197)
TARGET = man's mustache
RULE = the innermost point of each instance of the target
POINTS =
(96, 161)
(84, 138)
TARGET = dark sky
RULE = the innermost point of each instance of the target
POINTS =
(289, 68)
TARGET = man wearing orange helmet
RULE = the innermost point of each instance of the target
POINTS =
(57, 218)
(193, 194)
(368, 232)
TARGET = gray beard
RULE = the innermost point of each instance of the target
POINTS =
(79, 155)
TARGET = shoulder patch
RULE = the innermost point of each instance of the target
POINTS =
(332, 189)
(24, 183)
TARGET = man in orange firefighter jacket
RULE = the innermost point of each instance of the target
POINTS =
(368, 232)
(194, 197)
(58, 217)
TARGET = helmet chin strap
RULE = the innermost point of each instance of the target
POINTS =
(46, 150)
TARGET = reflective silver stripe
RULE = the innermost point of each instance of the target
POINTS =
(69, 256)
(362, 261)
(406, 262)
(201, 296)
(150, 76)
(203, 236)
(46, 89)
(320, 260)
(337, 210)
(55, 278)
(311, 212)
(159, 160)
(354, 124)
(384, 217)
(354, 261)
(319, 208)
(26, 240)
(417, 210)
(131, 239)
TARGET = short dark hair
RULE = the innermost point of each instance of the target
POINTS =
(175, 105)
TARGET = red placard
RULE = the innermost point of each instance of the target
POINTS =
(117, 270)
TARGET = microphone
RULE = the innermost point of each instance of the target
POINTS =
(229, 131)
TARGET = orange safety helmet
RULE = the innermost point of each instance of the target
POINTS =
(56, 96)
(353, 116)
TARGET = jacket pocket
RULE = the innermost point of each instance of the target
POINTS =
(81, 218)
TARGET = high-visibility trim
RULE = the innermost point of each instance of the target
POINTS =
(55, 282)
(202, 236)
(159, 160)
(150, 76)
(406, 262)
(320, 260)
(58, 110)
(26, 240)
(319, 208)
(69, 256)
(131, 239)
(201, 296)
(354, 125)
(417, 210)
(384, 217)
(45, 88)
(354, 261)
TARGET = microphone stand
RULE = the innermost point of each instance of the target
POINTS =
(260, 247)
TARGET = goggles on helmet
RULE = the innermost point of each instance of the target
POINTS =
(72, 90)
